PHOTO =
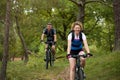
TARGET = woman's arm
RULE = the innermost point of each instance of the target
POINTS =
(86, 46)
(69, 47)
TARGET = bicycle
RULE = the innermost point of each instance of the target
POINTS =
(49, 57)
(79, 72)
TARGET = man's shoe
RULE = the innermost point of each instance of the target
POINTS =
(53, 59)
(44, 59)
(84, 76)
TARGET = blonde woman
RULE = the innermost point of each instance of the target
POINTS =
(76, 40)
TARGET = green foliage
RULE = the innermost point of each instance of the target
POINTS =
(35, 69)
(103, 66)
(2, 16)
(1, 52)
(2, 9)
(99, 26)
(33, 15)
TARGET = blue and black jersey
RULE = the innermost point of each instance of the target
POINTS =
(50, 34)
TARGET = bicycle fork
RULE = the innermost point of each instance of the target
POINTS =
(79, 71)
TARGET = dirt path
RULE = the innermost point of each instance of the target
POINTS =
(64, 75)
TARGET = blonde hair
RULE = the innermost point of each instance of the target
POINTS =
(77, 23)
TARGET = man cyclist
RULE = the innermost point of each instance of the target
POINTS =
(50, 33)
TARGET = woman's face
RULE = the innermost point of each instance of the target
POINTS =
(77, 29)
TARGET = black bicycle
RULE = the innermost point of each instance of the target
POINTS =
(79, 72)
(49, 57)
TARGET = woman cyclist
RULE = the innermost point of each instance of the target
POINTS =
(75, 46)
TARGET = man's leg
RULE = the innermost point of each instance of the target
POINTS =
(53, 51)
(46, 45)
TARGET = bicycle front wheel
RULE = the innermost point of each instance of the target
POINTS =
(81, 74)
(76, 74)
(47, 59)
(51, 59)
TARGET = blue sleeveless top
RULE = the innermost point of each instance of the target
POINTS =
(76, 45)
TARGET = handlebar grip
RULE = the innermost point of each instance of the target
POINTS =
(90, 54)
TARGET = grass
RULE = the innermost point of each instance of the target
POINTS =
(35, 69)
(102, 66)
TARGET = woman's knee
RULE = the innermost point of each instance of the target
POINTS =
(72, 68)
(83, 59)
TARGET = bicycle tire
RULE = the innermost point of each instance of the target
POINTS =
(47, 59)
(81, 74)
(51, 59)
(76, 74)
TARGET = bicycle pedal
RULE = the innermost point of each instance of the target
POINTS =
(44, 59)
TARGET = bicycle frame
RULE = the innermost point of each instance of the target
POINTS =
(79, 73)
(49, 55)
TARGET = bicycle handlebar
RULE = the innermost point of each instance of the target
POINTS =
(85, 55)
(49, 42)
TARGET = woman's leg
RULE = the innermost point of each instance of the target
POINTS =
(72, 62)
(82, 59)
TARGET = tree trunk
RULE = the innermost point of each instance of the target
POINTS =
(6, 43)
(110, 40)
(26, 58)
(116, 8)
(81, 12)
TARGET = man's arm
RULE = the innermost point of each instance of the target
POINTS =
(42, 37)
(55, 38)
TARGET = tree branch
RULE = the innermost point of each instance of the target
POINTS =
(74, 2)
(93, 1)
(94, 25)
(80, 3)
(100, 1)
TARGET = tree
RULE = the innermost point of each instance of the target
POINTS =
(81, 9)
(81, 4)
(26, 58)
(6, 43)
(116, 7)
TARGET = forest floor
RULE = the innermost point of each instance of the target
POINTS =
(107, 63)
(64, 75)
